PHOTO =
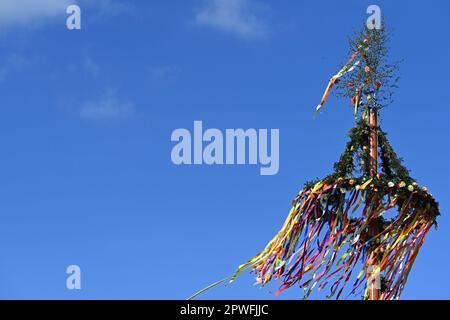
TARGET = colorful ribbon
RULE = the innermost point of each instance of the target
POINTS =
(323, 240)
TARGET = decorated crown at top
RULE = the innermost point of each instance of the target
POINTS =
(367, 79)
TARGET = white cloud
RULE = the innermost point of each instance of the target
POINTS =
(13, 63)
(30, 12)
(90, 66)
(164, 73)
(106, 108)
(108, 7)
(234, 16)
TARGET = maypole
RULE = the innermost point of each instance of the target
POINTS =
(374, 281)
(343, 230)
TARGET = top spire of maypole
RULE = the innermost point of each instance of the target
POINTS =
(368, 78)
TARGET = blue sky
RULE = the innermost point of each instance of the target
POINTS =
(87, 116)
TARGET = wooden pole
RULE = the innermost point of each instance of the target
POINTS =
(373, 142)
(374, 279)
